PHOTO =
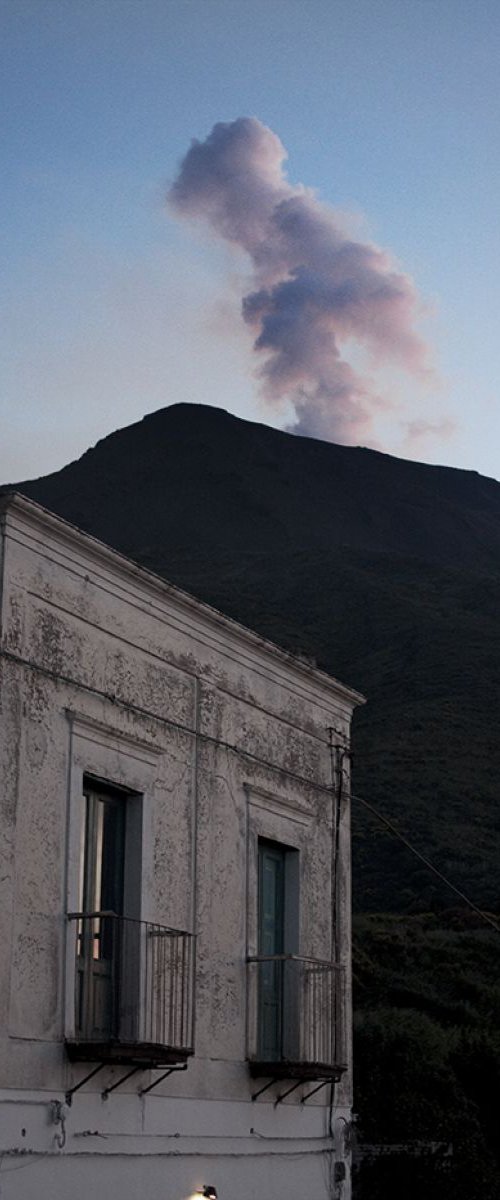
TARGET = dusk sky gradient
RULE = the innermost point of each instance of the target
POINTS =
(117, 303)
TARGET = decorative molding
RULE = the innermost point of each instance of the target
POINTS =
(278, 805)
(98, 732)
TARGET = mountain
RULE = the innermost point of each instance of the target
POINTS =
(386, 572)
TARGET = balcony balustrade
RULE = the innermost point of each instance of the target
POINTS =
(296, 1017)
(134, 984)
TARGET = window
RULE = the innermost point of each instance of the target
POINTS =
(101, 904)
(102, 850)
(277, 938)
(296, 1000)
(134, 979)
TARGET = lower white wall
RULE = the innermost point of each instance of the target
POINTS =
(69, 1178)
(132, 1148)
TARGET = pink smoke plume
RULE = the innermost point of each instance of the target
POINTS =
(314, 288)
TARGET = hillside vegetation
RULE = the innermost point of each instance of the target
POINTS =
(427, 1057)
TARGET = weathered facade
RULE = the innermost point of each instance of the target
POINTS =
(174, 890)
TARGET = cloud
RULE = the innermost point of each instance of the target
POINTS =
(315, 290)
(420, 429)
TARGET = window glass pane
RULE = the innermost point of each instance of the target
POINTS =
(98, 836)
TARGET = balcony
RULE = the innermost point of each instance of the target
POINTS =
(133, 991)
(296, 1021)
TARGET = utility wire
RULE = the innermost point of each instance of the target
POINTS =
(169, 722)
(240, 750)
(427, 863)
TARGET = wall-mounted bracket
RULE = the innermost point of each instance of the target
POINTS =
(314, 1090)
(156, 1082)
(107, 1091)
(263, 1089)
(71, 1091)
(288, 1092)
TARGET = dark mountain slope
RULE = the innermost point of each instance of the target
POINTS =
(386, 571)
(196, 472)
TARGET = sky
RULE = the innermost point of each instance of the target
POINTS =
(127, 287)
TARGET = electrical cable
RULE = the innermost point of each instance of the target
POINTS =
(130, 706)
(427, 863)
(240, 750)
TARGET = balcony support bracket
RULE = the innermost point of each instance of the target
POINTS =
(71, 1091)
(107, 1091)
(156, 1082)
(288, 1092)
(323, 1084)
(263, 1089)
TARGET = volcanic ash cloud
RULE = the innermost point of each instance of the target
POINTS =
(313, 288)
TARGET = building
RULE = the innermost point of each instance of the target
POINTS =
(174, 890)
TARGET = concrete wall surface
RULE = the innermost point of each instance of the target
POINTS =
(212, 742)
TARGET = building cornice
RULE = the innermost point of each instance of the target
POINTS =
(72, 542)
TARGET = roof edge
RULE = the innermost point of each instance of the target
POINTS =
(66, 531)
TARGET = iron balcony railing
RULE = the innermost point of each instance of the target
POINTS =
(296, 1017)
(134, 989)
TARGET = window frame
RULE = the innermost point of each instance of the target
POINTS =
(106, 760)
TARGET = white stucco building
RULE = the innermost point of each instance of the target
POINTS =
(174, 890)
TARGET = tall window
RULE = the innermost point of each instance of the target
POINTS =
(102, 877)
(278, 937)
(134, 981)
(102, 851)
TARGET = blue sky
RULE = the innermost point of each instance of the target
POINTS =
(389, 109)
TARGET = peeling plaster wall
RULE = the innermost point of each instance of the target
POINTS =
(107, 670)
